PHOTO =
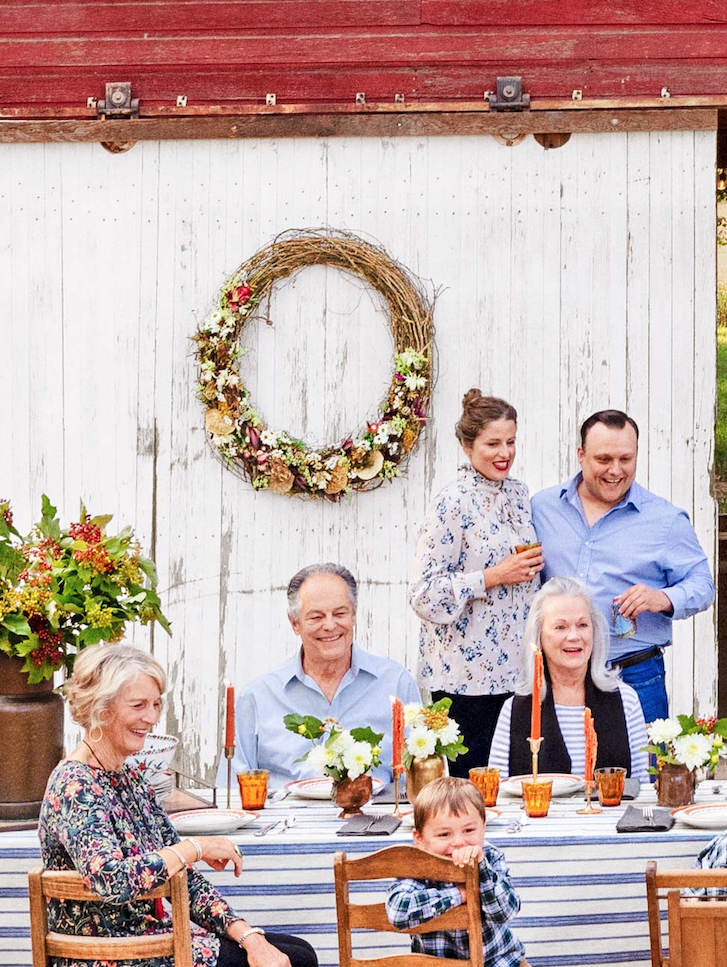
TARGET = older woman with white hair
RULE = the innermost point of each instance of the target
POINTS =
(574, 639)
(102, 819)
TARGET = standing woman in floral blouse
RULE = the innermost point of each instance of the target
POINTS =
(470, 588)
(101, 818)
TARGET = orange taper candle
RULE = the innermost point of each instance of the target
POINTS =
(537, 685)
(397, 730)
(230, 717)
(591, 744)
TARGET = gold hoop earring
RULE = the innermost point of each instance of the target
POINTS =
(100, 733)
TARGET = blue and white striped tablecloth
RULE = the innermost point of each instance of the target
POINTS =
(581, 883)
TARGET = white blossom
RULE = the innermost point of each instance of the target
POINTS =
(357, 758)
(449, 733)
(318, 758)
(413, 714)
(662, 731)
(692, 750)
(269, 438)
(413, 382)
(421, 742)
(341, 742)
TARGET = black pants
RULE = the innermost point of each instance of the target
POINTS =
(477, 717)
(299, 952)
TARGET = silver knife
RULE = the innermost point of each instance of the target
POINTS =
(266, 829)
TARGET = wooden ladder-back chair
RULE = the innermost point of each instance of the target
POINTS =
(398, 862)
(66, 885)
(697, 927)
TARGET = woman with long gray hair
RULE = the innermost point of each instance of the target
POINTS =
(574, 638)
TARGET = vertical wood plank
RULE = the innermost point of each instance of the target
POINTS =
(705, 402)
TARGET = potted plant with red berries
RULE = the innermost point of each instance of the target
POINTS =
(61, 590)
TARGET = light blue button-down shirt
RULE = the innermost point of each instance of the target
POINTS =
(642, 540)
(362, 698)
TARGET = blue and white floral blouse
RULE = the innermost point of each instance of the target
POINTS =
(471, 636)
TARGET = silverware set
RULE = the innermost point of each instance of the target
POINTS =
(286, 822)
(648, 813)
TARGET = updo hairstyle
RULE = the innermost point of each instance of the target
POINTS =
(100, 672)
(477, 412)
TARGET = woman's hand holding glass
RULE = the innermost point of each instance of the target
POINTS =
(515, 568)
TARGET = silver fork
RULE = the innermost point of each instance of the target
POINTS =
(648, 812)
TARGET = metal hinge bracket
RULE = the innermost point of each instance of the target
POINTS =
(509, 95)
(118, 102)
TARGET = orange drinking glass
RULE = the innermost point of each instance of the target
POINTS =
(519, 548)
(487, 781)
(536, 796)
(610, 785)
(253, 788)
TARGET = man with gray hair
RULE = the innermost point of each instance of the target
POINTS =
(330, 676)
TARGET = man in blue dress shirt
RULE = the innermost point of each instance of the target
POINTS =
(633, 549)
(330, 675)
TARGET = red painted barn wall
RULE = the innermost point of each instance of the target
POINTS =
(57, 54)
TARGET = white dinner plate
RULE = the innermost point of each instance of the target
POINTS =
(493, 816)
(320, 787)
(705, 816)
(563, 784)
(215, 822)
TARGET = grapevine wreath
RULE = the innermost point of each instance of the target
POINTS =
(273, 459)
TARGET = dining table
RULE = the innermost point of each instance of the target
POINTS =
(580, 881)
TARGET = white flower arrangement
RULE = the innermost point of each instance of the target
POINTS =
(431, 732)
(337, 752)
(687, 741)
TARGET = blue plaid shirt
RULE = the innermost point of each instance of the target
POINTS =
(713, 856)
(410, 903)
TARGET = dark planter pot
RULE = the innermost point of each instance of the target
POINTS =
(31, 740)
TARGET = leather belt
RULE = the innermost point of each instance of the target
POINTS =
(628, 661)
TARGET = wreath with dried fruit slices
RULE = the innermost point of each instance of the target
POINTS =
(274, 459)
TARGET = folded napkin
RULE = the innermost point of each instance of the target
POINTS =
(370, 826)
(631, 788)
(386, 796)
(633, 821)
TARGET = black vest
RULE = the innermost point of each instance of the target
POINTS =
(608, 718)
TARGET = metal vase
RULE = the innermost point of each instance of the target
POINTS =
(31, 740)
(421, 772)
(352, 794)
(675, 785)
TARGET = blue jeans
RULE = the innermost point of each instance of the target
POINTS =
(648, 681)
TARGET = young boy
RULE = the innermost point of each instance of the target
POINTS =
(449, 819)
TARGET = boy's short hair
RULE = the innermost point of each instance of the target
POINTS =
(450, 794)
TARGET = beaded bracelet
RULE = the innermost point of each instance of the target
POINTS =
(249, 933)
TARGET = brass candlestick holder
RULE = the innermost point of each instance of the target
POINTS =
(229, 755)
(534, 750)
(589, 810)
(397, 770)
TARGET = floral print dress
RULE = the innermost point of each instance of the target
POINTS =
(470, 636)
(109, 827)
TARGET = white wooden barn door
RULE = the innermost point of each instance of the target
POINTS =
(572, 279)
